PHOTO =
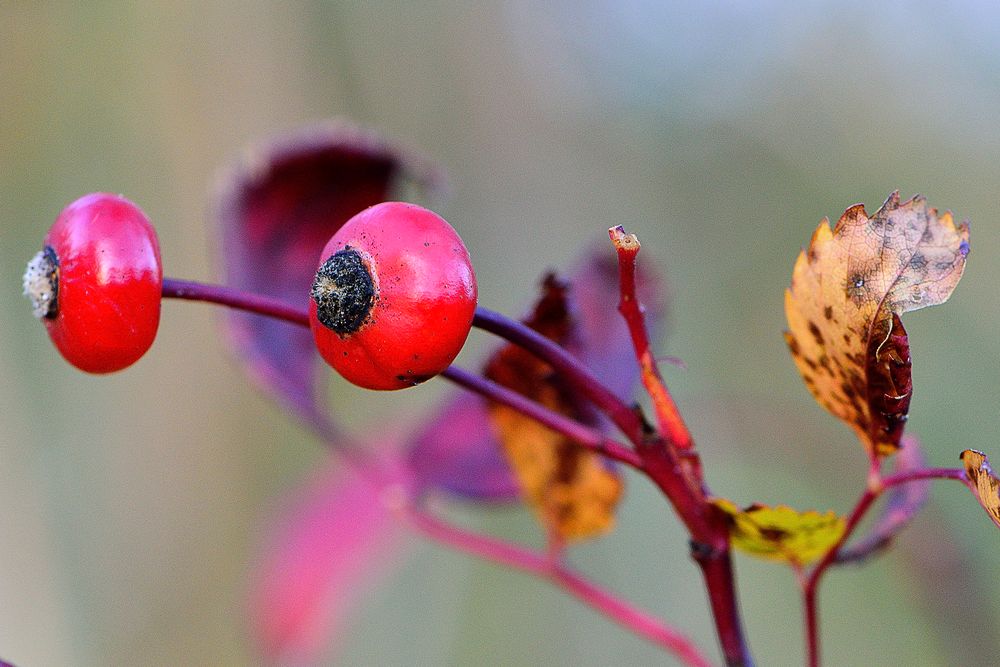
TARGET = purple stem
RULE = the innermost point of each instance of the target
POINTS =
(566, 365)
(262, 305)
(584, 436)
(226, 296)
(318, 421)
(562, 577)
(485, 319)
(908, 476)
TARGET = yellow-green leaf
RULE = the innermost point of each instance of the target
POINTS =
(847, 292)
(980, 473)
(780, 532)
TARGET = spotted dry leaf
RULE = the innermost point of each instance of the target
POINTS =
(980, 473)
(780, 532)
(849, 288)
(573, 491)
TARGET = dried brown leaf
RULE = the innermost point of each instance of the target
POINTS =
(849, 288)
(980, 472)
(573, 491)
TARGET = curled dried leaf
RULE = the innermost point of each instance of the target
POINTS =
(573, 491)
(849, 288)
(980, 473)
(780, 532)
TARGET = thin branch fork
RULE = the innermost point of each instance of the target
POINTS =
(877, 485)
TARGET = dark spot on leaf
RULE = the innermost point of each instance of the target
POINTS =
(814, 330)
(855, 288)
(773, 534)
(828, 312)
(793, 344)
(918, 261)
(943, 266)
(824, 361)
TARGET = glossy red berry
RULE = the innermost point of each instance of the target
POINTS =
(97, 282)
(394, 297)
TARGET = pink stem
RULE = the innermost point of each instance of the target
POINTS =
(718, 571)
(560, 576)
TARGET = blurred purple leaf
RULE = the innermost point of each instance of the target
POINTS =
(901, 505)
(337, 537)
(459, 451)
(601, 338)
(277, 208)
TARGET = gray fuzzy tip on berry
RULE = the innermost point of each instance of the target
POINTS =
(41, 283)
(344, 292)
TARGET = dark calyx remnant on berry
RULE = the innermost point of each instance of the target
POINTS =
(344, 292)
(41, 283)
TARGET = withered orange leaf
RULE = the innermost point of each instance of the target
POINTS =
(849, 288)
(573, 491)
(780, 532)
(980, 473)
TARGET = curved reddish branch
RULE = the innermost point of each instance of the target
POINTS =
(559, 575)
(652, 456)
(669, 417)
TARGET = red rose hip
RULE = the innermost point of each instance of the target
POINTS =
(394, 297)
(97, 282)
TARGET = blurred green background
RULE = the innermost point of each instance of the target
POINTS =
(130, 505)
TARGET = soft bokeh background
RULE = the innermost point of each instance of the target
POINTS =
(130, 505)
